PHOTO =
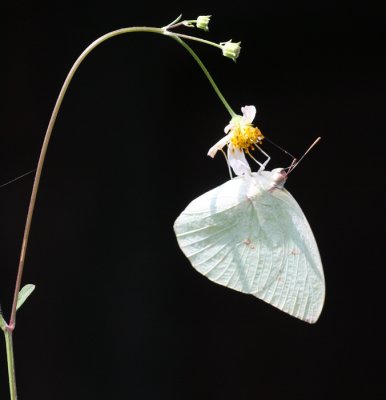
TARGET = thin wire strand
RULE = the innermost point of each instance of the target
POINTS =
(19, 177)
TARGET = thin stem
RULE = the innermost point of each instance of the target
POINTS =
(11, 364)
(51, 124)
(206, 72)
(43, 150)
(173, 23)
(197, 39)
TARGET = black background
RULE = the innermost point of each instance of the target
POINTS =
(118, 312)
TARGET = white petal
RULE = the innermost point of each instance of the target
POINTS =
(249, 113)
(219, 145)
(229, 127)
(238, 162)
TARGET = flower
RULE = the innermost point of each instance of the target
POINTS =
(241, 136)
(230, 49)
(203, 22)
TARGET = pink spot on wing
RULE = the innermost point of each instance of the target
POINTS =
(249, 243)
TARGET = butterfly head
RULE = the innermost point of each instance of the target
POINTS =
(279, 177)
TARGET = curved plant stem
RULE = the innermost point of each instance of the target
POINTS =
(163, 31)
(43, 151)
(51, 124)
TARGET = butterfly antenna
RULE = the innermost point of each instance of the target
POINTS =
(19, 177)
(280, 148)
(296, 163)
(291, 166)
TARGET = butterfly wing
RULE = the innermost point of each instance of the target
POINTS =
(256, 241)
(304, 277)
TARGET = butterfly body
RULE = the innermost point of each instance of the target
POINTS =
(249, 234)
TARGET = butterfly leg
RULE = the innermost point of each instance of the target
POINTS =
(262, 166)
(268, 157)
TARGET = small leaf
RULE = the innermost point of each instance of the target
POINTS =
(24, 294)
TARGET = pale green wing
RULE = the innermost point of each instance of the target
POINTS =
(257, 242)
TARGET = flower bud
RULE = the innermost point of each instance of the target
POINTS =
(203, 22)
(230, 49)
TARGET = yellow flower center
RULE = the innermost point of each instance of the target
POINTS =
(245, 137)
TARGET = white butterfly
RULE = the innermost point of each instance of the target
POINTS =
(250, 234)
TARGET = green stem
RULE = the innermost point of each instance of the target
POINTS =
(12, 322)
(8, 328)
(51, 124)
(198, 39)
(11, 364)
(207, 74)
(46, 141)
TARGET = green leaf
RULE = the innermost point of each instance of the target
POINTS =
(24, 294)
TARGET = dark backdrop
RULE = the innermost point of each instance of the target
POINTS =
(118, 311)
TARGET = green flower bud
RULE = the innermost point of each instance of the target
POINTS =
(203, 22)
(231, 49)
